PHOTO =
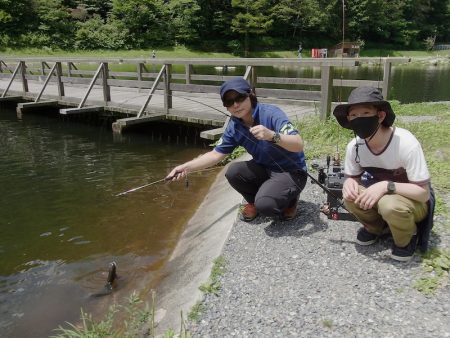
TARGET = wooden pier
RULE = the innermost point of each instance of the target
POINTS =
(140, 91)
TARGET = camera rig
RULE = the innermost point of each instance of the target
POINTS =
(331, 179)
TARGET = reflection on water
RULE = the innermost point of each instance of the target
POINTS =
(409, 82)
(61, 224)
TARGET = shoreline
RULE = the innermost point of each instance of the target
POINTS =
(191, 261)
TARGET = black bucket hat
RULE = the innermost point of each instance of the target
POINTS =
(364, 95)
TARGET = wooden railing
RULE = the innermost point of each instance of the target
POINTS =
(179, 75)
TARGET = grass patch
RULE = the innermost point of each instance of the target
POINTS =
(328, 323)
(421, 109)
(212, 286)
(185, 52)
(436, 264)
(130, 327)
(196, 312)
(323, 137)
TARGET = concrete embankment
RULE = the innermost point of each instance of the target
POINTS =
(191, 262)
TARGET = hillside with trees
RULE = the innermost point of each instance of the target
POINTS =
(233, 26)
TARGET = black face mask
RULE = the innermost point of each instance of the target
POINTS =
(365, 127)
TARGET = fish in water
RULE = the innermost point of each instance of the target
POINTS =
(108, 288)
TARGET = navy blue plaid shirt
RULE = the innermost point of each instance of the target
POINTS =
(264, 153)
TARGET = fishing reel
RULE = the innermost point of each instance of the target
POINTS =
(331, 179)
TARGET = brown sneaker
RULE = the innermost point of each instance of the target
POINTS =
(248, 212)
(289, 213)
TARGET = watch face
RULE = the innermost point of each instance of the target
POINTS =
(391, 187)
(276, 138)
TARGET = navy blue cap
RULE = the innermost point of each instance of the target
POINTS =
(237, 84)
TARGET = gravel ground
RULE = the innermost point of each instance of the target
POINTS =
(308, 278)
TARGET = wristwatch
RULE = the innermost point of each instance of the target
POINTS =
(276, 137)
(390, 187)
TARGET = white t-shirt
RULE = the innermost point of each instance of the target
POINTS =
(402, 160)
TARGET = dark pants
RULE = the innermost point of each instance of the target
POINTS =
(271, 192)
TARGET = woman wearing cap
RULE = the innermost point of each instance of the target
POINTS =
(387, 182)
(272, 180)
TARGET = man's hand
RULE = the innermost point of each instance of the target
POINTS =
(350, 190)
(367, 199)
(262, 133)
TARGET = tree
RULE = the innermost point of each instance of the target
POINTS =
(215, 19)
(95, 33)
(147, 21)
(185, 20)
(251, 17)
(291, 17)
(16, 18)
(53, 28)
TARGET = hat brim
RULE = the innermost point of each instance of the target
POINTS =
(341, 112)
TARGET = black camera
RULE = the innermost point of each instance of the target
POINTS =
(332, 178)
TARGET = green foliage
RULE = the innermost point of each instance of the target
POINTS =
(437, 264)
(328, 323)
(147, 21)
(131, 327)
(95, 34)
(436, 147)
(323, 138)
(196, 23)
(185, 18)
(212, 286)
(421, 109)
(196, 312)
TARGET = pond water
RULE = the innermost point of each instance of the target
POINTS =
(410, 82)
(61, 223)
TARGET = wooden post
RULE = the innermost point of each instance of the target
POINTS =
(167, 90)
(42, 68)
(253, 78)
(60, 84)
(386, 78)
(23, 74)
(327, 91)
(106, 87)
(69, 69)
(139, 74)
(189, 70)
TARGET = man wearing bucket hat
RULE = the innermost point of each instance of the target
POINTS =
(272, 180)
(387, 179)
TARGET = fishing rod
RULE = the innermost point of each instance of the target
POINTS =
(165, 179)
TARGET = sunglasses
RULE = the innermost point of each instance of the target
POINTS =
(237, 99)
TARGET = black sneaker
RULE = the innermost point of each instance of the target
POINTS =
(365, 238)
(404, 254)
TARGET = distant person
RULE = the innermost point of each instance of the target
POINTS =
(272, 180)
(153, 54)
(299, 51)
(387, 182)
